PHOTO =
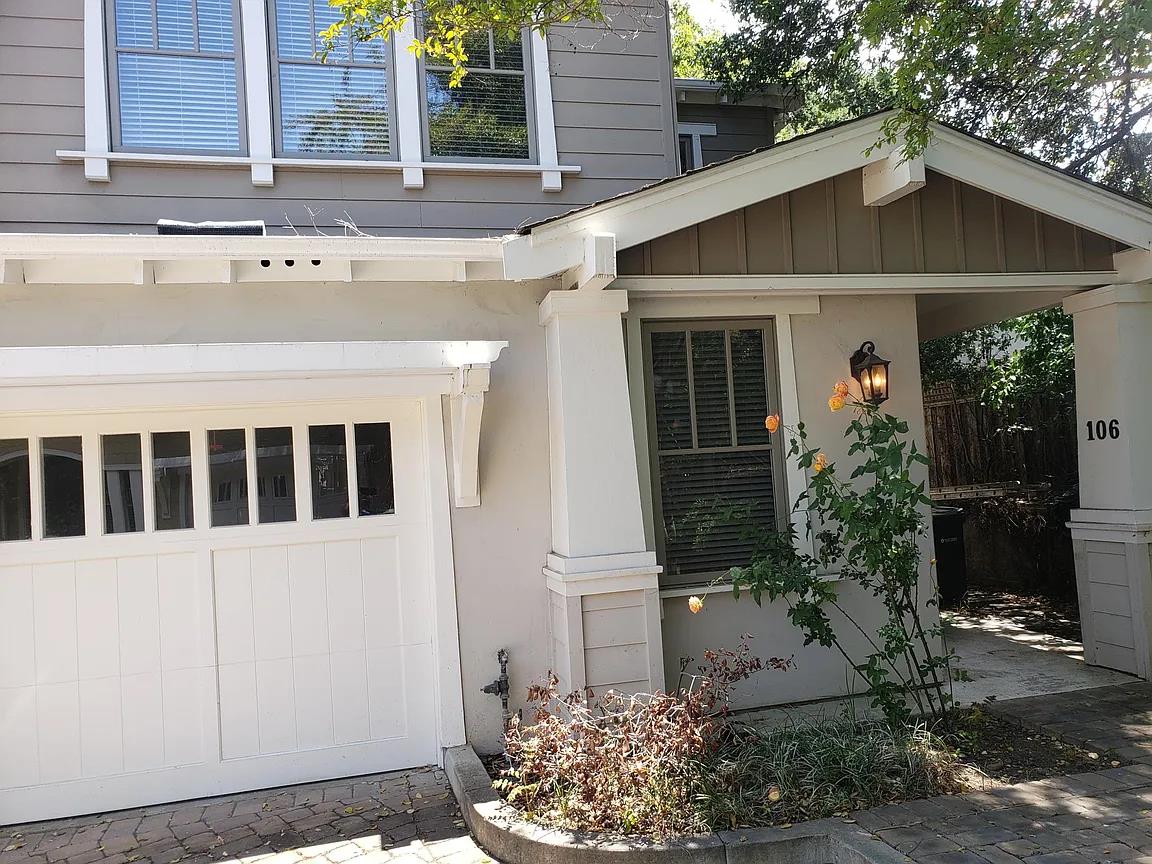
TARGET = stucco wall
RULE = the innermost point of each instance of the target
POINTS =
(500, 546)
(823, 343)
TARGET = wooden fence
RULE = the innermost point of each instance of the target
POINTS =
(972, 444)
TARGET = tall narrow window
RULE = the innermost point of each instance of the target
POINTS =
(717, 471)
(275, 483)
(173, 70)
(172, 480)
(15, 490)
(328, 453)
(486, 117)
(374, 468)
(338, 106)
(228, 476)
(123, 484)
(63, 473)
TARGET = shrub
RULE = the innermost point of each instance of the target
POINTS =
(679, 763)
(622, 764)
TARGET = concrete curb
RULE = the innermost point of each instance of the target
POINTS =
(498, 828)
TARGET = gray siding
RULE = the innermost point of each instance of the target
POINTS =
(739, 128)
(612, 100)
(946, 227)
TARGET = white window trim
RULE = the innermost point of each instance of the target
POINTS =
(696, 131)
(97, 154)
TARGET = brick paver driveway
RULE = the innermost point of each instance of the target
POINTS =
(407, 817)
(1091, 818)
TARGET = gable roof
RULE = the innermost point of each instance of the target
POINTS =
(677, 202)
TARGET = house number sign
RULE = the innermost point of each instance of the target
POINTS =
(1098, 430)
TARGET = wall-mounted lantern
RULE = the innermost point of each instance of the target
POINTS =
(871, 371)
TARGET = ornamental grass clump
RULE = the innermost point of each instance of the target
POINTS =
(813, 770)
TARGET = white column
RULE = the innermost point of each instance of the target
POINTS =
(1112, 530)
(410, 143)
(602, 577)
(96, 140)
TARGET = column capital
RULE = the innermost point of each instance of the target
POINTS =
(606, 302)
(1124, 292)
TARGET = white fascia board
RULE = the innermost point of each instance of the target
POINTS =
(1039, 187)
(119, 364)
(795, 284)
(159, 247)
(693, 198)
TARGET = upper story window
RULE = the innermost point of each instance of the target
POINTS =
(341, 106)
(174, 69)
(486, 117)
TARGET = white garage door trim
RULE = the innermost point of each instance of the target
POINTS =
(342, 382)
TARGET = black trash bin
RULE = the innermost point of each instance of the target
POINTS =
(951, 566)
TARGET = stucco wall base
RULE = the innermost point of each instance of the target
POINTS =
(510, 839)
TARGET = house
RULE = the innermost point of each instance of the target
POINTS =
(270, 502)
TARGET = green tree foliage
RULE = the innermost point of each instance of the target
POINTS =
(447, 25)
(1007, 364)
(1067, 81)
(689, 40)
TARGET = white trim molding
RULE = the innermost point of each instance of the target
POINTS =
(124, 259)
(257, 92)
(467, 405)
(546, 152)
(696, 131)
(892, 178)
(408, 106)
(96, 117)
(802, 284)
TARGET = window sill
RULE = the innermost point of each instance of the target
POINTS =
(700, 590)
(96, 166)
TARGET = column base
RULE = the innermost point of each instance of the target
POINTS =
(604, 612)
(1113, 551)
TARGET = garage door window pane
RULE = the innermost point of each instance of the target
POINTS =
(63, 468)
(328, 454)
(15, 490)
(374, 468)
(123, 484)
(172, 476)
(275, 487)
(228, 477)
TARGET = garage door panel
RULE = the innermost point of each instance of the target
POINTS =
(344, 573)
(139, 608)
(19, 737)
(275, 706)
(383, 595)
(272, 613)
(239, 733)
(314, 705)
(98, 620)
(232, 578)
(142, 703)
(352, 723)
(185, 609)
(54, 614)
(58, 719)
(101, 727)
(309, 599)
(18, 635)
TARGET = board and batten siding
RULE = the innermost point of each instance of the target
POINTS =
(945, 227)
(611, 95)
(739, 128)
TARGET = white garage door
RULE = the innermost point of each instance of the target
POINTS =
(199, 602)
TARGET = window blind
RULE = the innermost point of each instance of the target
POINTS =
(716, 464)
(338, 106)
(176, 80)
(486, 117)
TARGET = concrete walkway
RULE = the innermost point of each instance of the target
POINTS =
(1001, 659)
(407, 817)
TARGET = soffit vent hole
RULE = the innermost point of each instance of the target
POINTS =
(265, 263)
(288, 262)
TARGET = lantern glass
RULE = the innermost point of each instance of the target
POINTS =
(871, 372)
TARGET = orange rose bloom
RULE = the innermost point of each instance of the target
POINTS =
(836, 402)
(819, 463)
(841, 388)
(695, 604)
(772, 422)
